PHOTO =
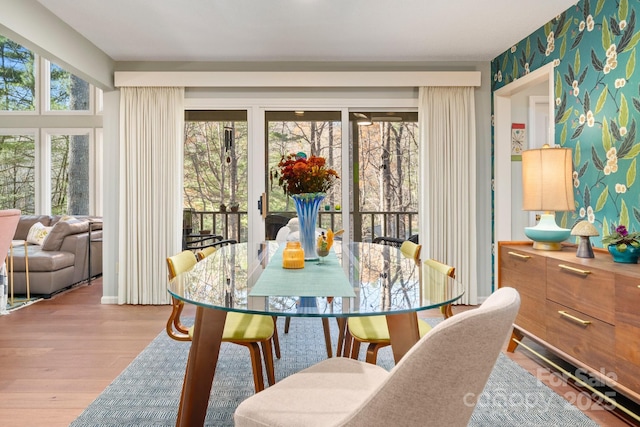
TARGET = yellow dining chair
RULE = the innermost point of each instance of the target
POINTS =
(203, 253)
(373, 329)
(248, 330)
(436, 271)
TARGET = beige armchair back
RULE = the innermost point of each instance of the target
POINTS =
(436, 383)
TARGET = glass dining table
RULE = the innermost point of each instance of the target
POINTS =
(356, 279)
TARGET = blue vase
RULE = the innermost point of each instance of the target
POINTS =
(307, 207)
(629, 256)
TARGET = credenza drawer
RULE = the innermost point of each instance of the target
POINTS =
(628, 300)
(587, 290)
(628, 355)
(628, 331)
(581, 336)
(526, 273)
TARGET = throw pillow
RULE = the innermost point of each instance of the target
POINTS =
(37, 233)
(61, 230)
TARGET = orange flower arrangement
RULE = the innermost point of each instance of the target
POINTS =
(296, 174)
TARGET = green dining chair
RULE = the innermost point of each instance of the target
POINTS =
(247, 330)
(373, 330)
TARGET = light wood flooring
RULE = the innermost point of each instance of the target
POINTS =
(58, 355)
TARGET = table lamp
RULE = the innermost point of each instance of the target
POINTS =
(547, 185)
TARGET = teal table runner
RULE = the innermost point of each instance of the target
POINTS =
(326, 279)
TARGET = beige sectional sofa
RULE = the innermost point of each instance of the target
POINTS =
(62, 259)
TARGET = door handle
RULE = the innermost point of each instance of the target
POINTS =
(261, 205)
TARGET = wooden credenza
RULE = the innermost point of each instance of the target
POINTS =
(585, 310)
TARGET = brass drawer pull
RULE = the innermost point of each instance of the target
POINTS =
(567, 315)
(575, 270)
(519, 255)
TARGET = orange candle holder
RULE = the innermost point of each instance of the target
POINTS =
(293, 256)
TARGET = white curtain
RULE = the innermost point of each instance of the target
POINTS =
(446, 117)
(150, 216)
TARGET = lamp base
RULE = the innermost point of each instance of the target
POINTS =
(547, 246)
(547, 235)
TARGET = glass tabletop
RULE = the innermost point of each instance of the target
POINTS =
(378, 279)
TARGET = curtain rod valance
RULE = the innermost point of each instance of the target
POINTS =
(297, 78)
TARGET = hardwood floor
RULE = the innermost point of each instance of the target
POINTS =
(58, 355)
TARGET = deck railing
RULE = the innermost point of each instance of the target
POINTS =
(366, 225)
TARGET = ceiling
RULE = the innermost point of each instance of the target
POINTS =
(305, 30)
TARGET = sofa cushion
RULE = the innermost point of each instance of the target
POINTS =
(27, 221)
(38, 233)
(41, 260)
(62, 229)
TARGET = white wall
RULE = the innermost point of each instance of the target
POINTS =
(110, 196)
(483, 182)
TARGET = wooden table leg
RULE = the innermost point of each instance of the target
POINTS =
(201, 366)
(403, 333)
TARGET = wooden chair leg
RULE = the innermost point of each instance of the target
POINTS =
(287, 322)
(267, 352)
(348, 343)
(256, 365)
(174, 328)
(355, 349)
(372, 353)
(276, 340)
(327, 337)
(178, 306)
(342, 329)
(446, 311)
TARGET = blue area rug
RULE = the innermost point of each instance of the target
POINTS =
(147, 392)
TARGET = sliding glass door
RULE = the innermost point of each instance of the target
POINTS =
(307, 133)
(230, 157)
(215, 174)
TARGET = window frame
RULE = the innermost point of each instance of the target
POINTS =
(45, 166)
(46, 94)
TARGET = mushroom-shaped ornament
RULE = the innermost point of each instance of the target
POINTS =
(584, 230)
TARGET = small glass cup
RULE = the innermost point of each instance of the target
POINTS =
(322, 253)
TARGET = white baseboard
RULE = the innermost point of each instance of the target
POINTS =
(109, 300)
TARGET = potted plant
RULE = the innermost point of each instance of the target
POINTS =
(234, 207)
(623, 245)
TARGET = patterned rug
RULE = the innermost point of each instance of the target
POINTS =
(147, 392)
(18, 303)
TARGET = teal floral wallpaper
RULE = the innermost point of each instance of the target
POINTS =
(593, 46)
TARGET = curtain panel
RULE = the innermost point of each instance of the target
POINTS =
(150, 215)
(446, 117)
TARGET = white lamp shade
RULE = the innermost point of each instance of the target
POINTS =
(547, 180)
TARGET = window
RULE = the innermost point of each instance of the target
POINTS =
(17, 172)
(17, 77)
(67, 92)
(70, 173)
(46, 171)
